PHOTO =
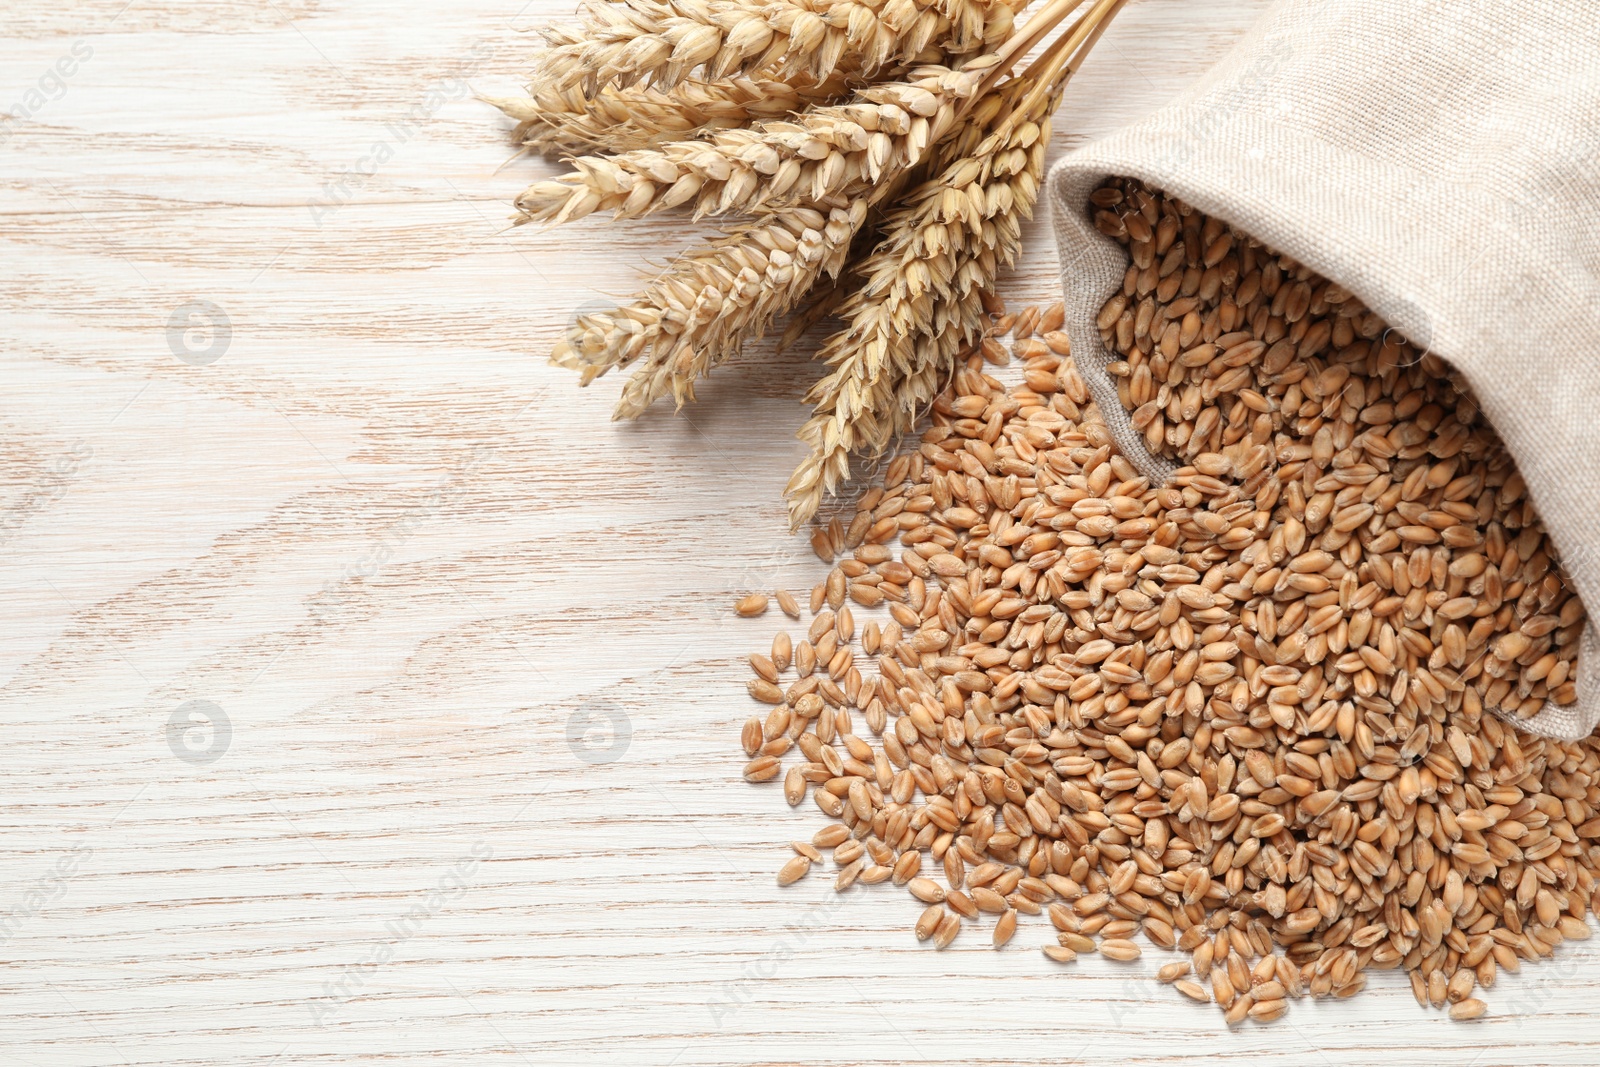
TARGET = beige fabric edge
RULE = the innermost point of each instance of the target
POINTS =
(1092, 268)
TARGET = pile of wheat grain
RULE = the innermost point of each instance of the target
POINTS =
(1248, 713)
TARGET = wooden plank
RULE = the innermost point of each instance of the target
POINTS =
(479, 799)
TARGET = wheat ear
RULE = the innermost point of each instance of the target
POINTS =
(820, 153)
(557, 122)
(711, 299)
(920, 305)
(662, 42)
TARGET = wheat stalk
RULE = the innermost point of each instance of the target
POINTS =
(712, 298)
(823, 152)
(918, 308)
(561, 122)
(920, 303)
(662, 42)
(755, 297)
(740, 107)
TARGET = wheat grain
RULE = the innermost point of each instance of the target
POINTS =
(1171, 972)
(1005, 928)
(796, 869)
(1241, 713)
(751, 738)
(750, 606)
(1119, 949)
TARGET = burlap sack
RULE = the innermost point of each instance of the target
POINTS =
(1442, 162)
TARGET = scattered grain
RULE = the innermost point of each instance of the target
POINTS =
(752, 605)
(1005, 928)
(1118, 948)
(796, 869)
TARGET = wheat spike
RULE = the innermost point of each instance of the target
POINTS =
(754, 299)
(741, 107)
(558, 122)
(820, 153)
(920, 304)
(711, 300)
(662, 42)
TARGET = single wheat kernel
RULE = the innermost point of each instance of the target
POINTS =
(762, 769)
(961, 904)
(796, 869)
(847, 875)
(751, 737)
(1005, 928)
(848, 852)
(1266, 1010)
(1171, 972)
(830, 836)
(1076, 942)
(1117, 948)
(949, 927)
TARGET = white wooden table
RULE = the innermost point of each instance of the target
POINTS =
(277, 436)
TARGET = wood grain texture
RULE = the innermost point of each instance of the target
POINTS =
(480, 802)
